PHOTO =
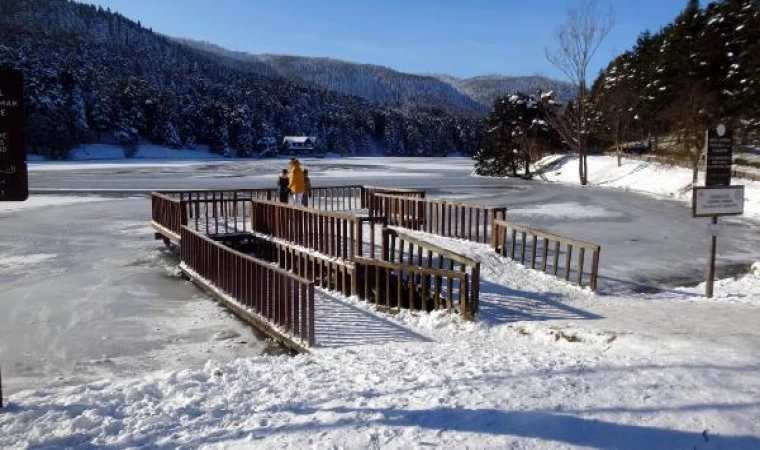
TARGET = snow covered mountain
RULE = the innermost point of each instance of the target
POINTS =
(92, 74)
(487, 88)
(473, 96)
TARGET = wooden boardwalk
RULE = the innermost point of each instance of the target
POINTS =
(310, 277)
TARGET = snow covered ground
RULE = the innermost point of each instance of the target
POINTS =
(643, 176)
(548, 366)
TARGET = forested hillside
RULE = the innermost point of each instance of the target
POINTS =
(374, 83)
(469, 96)
(700, 70)
(92, 74)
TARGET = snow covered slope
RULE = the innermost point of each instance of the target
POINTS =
(642, 176)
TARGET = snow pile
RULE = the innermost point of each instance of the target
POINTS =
(742, 289)
(642, 176)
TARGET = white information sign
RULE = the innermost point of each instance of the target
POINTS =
(718, 201)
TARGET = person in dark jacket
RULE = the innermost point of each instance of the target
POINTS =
(306, 188)
(282, 182)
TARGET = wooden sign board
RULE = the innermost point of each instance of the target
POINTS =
(718, 201)
(14, 184)
(719, 157)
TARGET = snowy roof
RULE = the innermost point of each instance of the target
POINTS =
(298, 139)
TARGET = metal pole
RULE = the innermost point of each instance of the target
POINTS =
(1, 388)
(711, 264)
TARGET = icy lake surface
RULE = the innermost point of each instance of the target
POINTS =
(88, 294)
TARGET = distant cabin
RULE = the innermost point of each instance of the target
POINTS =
(299, 144)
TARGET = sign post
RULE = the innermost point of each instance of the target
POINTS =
(717, 197)
(14, 183)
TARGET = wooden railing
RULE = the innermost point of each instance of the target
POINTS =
(168, 213)
(222, 194)
(394, 285)
(370, 203)
(451, 219)
(327, 198)
(548, 252)
(402, 248)
(325, 272)
(336, 198)
(217, 215)
(336, 234)
(280, 298)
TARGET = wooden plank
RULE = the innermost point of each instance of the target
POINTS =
(544, 254)
(424, 283)
(469, 224)
(594, 269)
(377, 296)
(411, 283)
(462, 221)
(450, 285)
(568, 259)
(581, 256)
(475, 297)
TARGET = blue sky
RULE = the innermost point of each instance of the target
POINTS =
(462, 38)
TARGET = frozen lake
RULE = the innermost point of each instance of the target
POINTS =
(88, 294)
(646, 242)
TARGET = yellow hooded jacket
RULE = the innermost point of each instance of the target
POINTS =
(296, 185)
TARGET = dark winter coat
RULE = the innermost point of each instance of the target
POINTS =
(282, 183)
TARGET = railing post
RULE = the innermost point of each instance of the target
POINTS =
(385, 250)
(475, 298)
(358, 236)
(595, 269)
(310, 302)
(183, 213)
(494, 241)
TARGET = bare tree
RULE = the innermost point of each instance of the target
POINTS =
(578, 40)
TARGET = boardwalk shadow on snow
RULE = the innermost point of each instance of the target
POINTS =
(338, 323)
(500, 304)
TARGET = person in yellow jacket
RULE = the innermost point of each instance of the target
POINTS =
(297, 185)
